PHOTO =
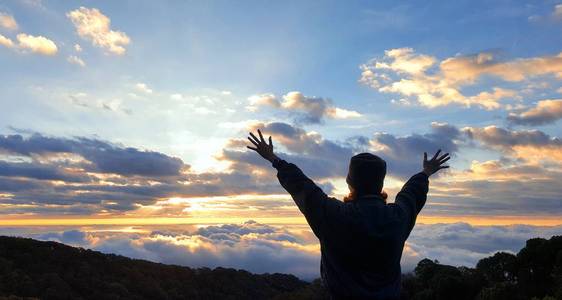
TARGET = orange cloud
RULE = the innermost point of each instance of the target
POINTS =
(92, 25)
(431, 83)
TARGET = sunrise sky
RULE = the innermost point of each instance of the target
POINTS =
(123, 123)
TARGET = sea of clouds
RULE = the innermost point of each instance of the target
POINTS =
(262, 248)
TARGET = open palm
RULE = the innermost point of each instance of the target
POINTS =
(262, 147)
(435, 163)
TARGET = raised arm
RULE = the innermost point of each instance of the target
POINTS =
(310, 199)
(413, 195)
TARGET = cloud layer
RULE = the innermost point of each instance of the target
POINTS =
(262, 248)
(89, 176)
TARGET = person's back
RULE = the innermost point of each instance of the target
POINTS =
(362, 238)
(361, 257)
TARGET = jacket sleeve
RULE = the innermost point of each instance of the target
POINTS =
(314, 204)
(412, 197)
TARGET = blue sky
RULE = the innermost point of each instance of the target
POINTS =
(138, 110)
(185, 78)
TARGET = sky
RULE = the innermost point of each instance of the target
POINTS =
(124, 123)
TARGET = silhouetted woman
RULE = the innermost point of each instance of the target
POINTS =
(362, 238)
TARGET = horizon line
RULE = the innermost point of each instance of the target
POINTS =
(427, 220)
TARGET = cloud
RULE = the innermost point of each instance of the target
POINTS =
(70, 175)
(94, 26)
(40, 171)
(73, 59)
(72, 237)
(523, 181)
(318, 157)
(52, 175)
(262, 248)
(431, 83)
(557, 12)
(499, 137)
(502, 187)
(554, 16)
(404, 154)
(251, 246)
(461, 244)
(7, 21)
(105, 157)
(28, 43)
(6, 42)
(529, 145)
(321, 158)
(311, 110)
(404, 60)
(545, 112)
(142, 87)
(37, 44)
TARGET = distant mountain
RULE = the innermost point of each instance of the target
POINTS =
(31, 269)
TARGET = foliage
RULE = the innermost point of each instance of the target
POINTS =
(534, 273)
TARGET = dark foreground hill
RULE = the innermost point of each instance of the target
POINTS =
(31, 269)
(50, 270)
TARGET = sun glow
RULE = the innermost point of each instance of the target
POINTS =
(296, 220)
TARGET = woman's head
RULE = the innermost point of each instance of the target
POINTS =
(366, 174)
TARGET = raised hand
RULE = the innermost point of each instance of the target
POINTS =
(435, 163)
(262, 147)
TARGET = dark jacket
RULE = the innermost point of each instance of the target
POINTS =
(361, 241)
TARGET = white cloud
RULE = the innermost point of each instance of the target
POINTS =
(28, 43)
(76, 60)
(431, 83)
(25, 42)
(460, 244)
(176, 97)
(77, 48)
(36, 44)
(142, 87)
(6, 42)
(306, 109)
(92, 25)
(7, 21)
